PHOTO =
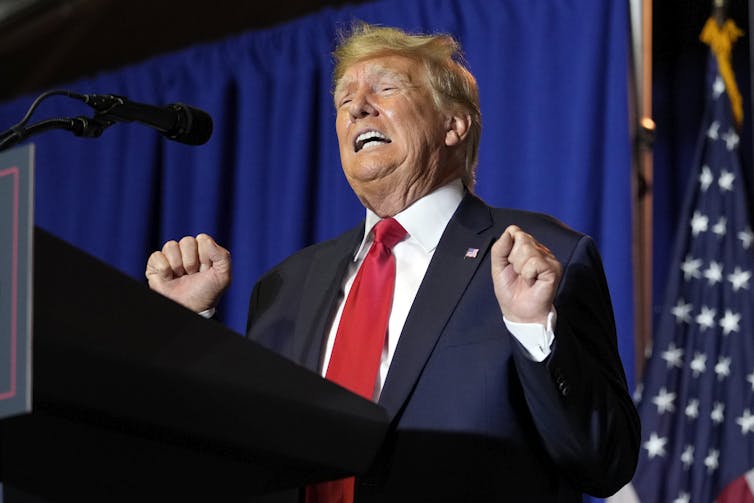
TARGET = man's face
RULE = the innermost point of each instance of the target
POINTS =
(391, 135)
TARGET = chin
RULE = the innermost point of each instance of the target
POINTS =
(368, 172)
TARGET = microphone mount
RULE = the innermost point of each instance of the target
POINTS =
(178, 122)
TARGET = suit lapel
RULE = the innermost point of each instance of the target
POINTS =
(318, 295)
(447, 276)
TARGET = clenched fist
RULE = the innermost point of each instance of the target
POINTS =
(526, 276)
(194, 271)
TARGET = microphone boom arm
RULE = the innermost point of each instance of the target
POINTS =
(86, 127)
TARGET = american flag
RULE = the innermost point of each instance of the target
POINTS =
(697, 401)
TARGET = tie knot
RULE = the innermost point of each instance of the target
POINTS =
(388, 232)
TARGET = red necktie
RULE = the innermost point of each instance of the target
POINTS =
(360, 338)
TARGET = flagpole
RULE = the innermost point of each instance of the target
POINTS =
(751, 80)
(719, 11)
(643, 196)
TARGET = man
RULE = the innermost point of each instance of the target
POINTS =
(498, 363)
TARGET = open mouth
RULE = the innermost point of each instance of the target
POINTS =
(369, 139)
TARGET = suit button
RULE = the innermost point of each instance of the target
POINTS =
(562, 385)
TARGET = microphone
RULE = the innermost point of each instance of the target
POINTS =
(177, 121)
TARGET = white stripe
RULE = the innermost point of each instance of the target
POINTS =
(750, 480)
(627, 494)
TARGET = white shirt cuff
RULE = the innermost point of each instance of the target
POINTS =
(209, 313)
(534, 337)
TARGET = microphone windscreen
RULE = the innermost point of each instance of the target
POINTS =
(197, 129)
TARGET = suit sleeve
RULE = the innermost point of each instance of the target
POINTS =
(578, 397)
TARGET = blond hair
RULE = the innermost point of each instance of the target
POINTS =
(454, 88)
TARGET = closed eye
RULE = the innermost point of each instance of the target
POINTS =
(388, 89)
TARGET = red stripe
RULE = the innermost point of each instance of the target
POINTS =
(738, 491)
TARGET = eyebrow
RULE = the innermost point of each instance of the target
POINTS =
(374, 70)
(383, 71)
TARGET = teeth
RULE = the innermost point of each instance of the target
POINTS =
(370, 136)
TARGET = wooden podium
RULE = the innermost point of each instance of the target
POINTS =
(137, 399)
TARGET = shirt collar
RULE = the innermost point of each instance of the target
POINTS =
(425, 220)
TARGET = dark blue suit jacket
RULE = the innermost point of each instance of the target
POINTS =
(473, 419)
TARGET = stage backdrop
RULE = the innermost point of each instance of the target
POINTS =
(554, 80)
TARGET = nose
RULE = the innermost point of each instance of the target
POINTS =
(361, 106)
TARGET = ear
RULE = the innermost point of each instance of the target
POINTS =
(456, 129)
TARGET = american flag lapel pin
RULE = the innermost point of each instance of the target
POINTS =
(471, 253)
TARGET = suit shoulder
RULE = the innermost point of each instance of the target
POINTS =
(561, 239)
(303, 258)
(535, 223)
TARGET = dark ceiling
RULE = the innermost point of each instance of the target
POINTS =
(677, 23)
(45, 42)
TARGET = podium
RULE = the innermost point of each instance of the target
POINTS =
(136, 398)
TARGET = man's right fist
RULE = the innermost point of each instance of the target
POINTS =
(194, 271)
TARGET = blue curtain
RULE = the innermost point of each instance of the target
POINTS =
(553, 76)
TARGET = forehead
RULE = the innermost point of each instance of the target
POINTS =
(392, 67)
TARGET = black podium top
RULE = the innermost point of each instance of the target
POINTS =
(136, 398)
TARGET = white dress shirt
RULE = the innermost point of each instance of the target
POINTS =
(425, 222)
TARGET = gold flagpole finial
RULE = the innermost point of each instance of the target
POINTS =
(721, 36)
